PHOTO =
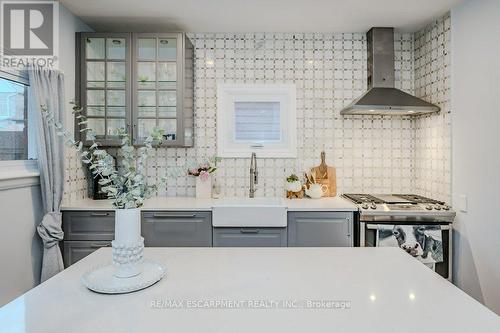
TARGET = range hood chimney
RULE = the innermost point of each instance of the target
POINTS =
(382, 98)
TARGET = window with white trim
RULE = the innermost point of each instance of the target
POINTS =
(258, 118)
(13, 117)
(18, 167)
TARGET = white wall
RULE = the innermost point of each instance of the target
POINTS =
(20, 248)
(68, 26)
(475, 147)
(21, 208)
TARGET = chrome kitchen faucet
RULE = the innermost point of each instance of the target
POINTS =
(253, 175)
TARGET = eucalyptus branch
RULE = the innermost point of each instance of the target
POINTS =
(128, 189)
(92, 156)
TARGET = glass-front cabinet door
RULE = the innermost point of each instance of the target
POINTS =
(158, 86)
(105, 83)
(136, 82)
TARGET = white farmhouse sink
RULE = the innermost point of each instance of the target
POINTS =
(249, 212)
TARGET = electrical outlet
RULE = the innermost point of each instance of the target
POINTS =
(462, 203)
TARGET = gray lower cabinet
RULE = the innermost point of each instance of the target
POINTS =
(73, 251)
(249, 237)
(89, 225)
(183, 228)
(330, 229)
(85, 232)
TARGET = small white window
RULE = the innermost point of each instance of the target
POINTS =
(257, 118)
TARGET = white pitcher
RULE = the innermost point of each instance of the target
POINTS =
(316, 191)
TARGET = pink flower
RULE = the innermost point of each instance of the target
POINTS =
(204, 175)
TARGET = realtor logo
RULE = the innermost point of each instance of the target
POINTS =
(29, 34)
(28, 28)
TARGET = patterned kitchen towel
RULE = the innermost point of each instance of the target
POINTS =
(423, 242)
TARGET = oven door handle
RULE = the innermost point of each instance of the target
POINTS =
(376, 226)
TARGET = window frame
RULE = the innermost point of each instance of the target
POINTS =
(228, 94)
(18, 173)
(18, 76)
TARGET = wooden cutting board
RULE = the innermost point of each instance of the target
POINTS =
(326, 175)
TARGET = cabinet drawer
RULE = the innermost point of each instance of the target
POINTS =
(183, 228)
(89, 225)
(250, 237)
(73, 251)
(320, 229)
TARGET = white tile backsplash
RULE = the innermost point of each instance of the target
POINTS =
(433, 132)
(75, 185)
(371, 153)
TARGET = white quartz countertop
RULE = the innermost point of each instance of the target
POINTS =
(276, 289)
(190, 203)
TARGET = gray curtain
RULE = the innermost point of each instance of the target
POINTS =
(47, 88)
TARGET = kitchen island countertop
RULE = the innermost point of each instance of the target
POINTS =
(258, 290)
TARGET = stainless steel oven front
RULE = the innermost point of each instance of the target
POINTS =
(368, 238)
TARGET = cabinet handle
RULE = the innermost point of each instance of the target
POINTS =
(320, 220)
(349, 226)
(249, 231)
(99, 245)
(98, 214)
(186, 216)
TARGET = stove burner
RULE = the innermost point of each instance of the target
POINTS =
(361, 198)
(400, 208)
(411, 199)
(418, 199)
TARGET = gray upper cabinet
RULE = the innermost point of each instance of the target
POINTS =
(163, 87)
(137, 81)
(104, 84)
(330, 229)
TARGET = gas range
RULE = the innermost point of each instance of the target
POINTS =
(404, 207)
(405, 212)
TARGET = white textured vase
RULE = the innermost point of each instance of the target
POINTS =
(127, 225)
(204, 188)
(128, 244)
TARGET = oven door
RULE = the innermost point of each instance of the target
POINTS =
(368, 238)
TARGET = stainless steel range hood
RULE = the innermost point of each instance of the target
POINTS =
(382, 98)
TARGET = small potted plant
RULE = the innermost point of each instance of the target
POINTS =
(203, 175)
(293, 183)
